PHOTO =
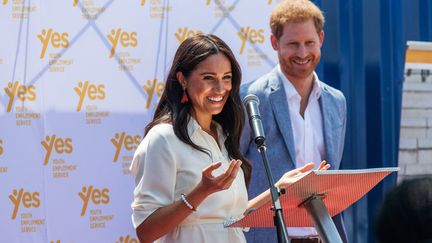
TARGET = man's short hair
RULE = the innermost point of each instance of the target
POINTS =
(295, 11)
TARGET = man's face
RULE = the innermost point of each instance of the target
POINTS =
(299, 49)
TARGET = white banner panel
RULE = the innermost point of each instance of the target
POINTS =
(79, 81)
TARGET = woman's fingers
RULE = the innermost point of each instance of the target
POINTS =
(292, 176)
(323, 165)
(207, 172)
(223, 181)
(230, 169)
(307, 167)
(230, 174)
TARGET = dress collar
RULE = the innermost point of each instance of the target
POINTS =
(194, 127)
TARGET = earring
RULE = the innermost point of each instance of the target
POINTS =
(184, 98)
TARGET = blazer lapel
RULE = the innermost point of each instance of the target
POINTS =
(330, 122)
(279, 105)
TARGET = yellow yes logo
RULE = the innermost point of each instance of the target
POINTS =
(208, 2)
(5, 2)
(130, 143)
(91, 91)
(151, 87)
(56, 39)
(21, 91)
(1, 147)
(127, 239)
(26, 198)
(58, 144)
(124, 38)
(142, 2)
(183, 33)
(75, 3)
(94, 195)
(251, 34)
(269, 2)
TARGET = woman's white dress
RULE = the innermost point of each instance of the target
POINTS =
(164, 167)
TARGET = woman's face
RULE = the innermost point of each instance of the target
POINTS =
(209, 86)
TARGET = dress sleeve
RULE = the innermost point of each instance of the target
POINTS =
(154, 168)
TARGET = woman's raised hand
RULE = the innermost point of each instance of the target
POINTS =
(294, 175)
(212, 183)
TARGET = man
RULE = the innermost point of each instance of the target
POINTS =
(303, 118)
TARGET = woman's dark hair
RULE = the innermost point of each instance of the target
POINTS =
(190, 53)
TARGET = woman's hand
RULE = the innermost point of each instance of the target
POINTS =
(166, 218)
(294, 175)
(286, 180)
(323, 165)
(212, 184)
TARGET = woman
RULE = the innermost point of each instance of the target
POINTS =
(190, 175)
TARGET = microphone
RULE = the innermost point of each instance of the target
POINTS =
(251, 103)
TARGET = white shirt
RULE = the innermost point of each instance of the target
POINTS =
(308, 133)
(164, 167)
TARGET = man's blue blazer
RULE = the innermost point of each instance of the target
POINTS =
(280, 143)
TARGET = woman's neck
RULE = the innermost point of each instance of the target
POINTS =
(206, 125)
(204, 121)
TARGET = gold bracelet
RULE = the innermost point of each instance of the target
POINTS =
(183, 198)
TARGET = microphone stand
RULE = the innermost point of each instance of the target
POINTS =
(251, 103)
(279, 221)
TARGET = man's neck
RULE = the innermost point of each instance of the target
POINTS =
(303, 86)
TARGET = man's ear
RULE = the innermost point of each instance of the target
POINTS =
(274, 42)
(321, 37)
